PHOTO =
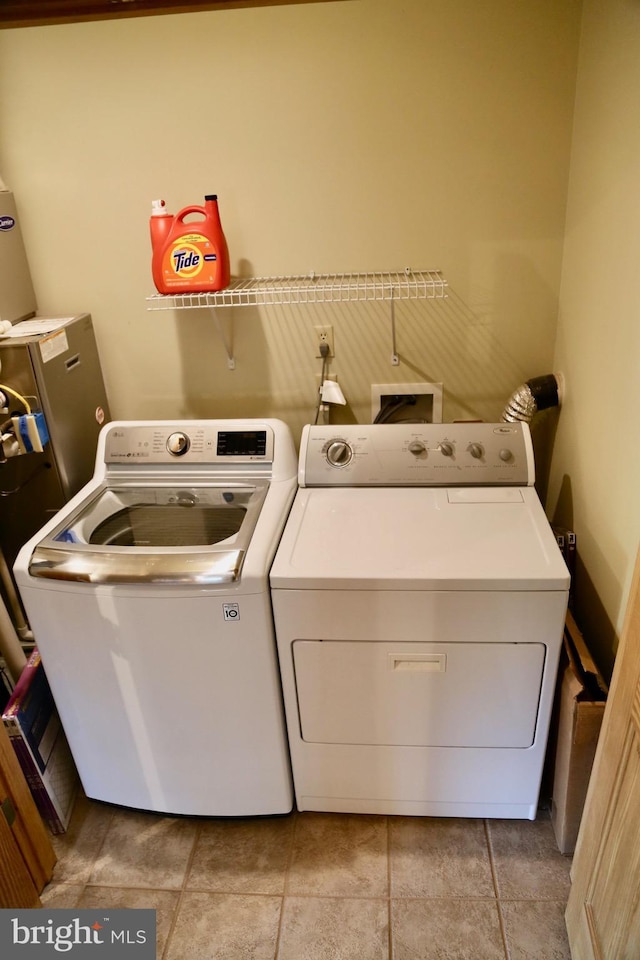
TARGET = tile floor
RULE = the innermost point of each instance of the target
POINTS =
(314, 886)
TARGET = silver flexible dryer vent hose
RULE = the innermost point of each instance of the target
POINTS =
(536, 394)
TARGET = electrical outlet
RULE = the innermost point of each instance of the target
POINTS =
(327, 376)
(324, 334)
(427, 408)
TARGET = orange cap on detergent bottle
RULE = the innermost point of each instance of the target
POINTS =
(190, 257)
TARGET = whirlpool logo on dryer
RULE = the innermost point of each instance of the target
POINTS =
(84, 933)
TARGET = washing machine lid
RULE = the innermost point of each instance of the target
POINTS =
(467, 538)
(153, 533)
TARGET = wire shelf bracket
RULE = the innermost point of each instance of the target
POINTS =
(227, 341)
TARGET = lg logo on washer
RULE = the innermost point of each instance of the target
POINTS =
(231, 611)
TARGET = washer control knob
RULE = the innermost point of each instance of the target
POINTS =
(506, 455)
(417, 448)
(339, 453)
(178, 444)
(447, 449)
(476, 450)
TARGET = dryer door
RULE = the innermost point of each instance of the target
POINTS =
(419, 694)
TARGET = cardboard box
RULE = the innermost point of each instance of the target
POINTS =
(583, 695)
(39, 742)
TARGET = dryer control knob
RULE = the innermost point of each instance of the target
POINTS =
(178, 444)
(446, 449)
(339, 453)
(417, 448)
(505, 455)
(476, 450)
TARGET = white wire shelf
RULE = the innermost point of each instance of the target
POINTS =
(312, 288)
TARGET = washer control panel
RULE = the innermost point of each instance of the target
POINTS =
(196, 442)
(427, 454)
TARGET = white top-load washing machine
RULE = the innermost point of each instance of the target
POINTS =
(419, 599)
(149, 600)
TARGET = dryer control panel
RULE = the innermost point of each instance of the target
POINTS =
(425, 454)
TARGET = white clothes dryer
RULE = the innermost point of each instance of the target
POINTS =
(419, 599)
(149, 600)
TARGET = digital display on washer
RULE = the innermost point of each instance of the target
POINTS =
(242, 443)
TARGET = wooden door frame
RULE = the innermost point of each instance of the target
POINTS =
(27, 833)
(619, 738)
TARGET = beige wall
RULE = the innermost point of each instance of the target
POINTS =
(342, 136)
(594, 480)
(356, 135)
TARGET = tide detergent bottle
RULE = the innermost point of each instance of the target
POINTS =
(189, 257)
